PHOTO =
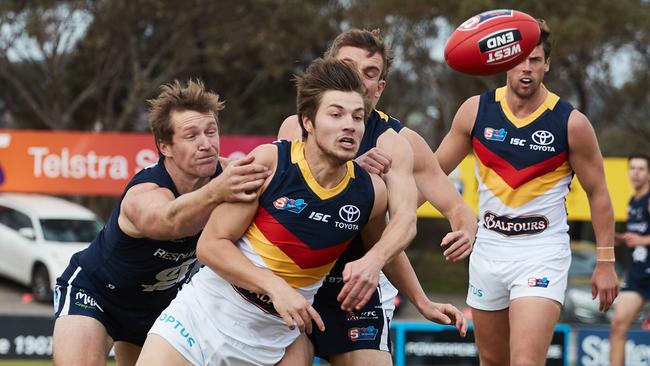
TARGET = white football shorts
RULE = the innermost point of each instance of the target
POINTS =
(493, 284)
(193, 332)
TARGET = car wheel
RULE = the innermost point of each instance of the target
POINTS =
(41, 289)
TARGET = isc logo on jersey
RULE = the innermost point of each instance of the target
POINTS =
(319, 216)
(500, 47)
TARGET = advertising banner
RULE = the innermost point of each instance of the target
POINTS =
(414, 343)
(593, 347)
(433, 344)
(86, 163)
(26, 337)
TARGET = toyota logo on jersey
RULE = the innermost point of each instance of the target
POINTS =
(542, 137)
(349, 213)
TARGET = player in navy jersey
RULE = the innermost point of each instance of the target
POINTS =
(266, 259)
(528, 144)
(112, 292)
(386, 147)
(635, 291)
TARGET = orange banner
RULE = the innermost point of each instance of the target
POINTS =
(85, 163)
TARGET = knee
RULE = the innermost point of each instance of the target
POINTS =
(493, 359)
(619, 326)
(524, 362)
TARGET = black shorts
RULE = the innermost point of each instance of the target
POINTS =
(367, 328)
(122, 324)
(642, 286)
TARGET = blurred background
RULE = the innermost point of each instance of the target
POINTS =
(91, 65)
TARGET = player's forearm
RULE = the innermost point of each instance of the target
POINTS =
(602, 217)
(462, 218)
(401, 274)
(402, 208)
(638, 240)
(223, 257)
(442, 194)
(188, 214)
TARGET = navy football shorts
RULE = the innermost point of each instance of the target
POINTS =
(74, 294)
(642, 286)
(367, 328)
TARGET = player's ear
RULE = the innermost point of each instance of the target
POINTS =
(547, 64)
(381, 85)
(164, 148)
(307, 123)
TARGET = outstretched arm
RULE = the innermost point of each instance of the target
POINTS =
(587, 162)
(149, 210)
(361, 276)
(400, 272)
(436, 188)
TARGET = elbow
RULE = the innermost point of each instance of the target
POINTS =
(209, 251)
(201, 251)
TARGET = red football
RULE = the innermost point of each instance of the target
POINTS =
(492, 42)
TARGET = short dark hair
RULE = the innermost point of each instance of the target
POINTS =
(544, 37)
(370, 41)
(325, 75)
(639, 156)
(176, 97)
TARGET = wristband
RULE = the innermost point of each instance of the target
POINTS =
(605, 254)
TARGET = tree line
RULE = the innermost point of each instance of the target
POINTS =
(92, 64)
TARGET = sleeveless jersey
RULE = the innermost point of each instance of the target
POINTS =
(300, 228)
(378, 123)
(140, 272)
(638, 221)
(523, 177)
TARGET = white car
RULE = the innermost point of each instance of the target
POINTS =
(38, 235)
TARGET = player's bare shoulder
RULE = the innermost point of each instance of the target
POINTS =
(580, 131)
(290, 128)
(466, 114)
(266, 154)
(578, 121)
(396, 145)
